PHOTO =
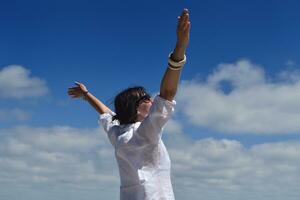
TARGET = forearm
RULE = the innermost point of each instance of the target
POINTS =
(169, 82)
(96, 103)
(178, 53)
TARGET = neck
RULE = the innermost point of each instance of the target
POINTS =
(140, 118)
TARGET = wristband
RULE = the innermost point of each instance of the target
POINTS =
(176, 64)
(174, 68)
(85, 94)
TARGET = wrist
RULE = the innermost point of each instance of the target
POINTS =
(85, 95)
(176, 64)
(179, 51)
(177, 55)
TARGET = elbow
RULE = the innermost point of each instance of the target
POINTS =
(168, 94)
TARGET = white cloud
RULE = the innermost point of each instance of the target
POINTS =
(173, 127)
(39, 161)
(14, 114)
(59, 157)
(242, 74)
(224, 169)
(290, 75)
(252, 104)
(16, 82)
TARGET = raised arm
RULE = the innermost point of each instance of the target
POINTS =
(81, 91)
(168, 87)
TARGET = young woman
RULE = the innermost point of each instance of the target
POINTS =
(135, 128)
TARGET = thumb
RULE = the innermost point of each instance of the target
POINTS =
(77, 83)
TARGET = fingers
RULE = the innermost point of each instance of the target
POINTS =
(183, 28)
(187, 26)
(183, 20)
(77, 83)
(71, 91)
(75, 96)
(74, 89)
(74, 92)
(184, 16)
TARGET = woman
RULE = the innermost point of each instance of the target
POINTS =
(135, 128)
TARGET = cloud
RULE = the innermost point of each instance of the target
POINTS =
(173, 127)
(240, 98)
(14, 114)
(80, 163)
(16, 83)
(58, 158)
(225, 169)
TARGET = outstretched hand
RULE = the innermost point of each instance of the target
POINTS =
(183, 28)
(78, 91)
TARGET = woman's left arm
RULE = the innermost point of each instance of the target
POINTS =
(162, 108)
(168, 87)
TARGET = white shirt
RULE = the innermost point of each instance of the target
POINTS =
(143, 161)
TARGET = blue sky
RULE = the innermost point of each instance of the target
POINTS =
(72, 35)
(238, 51)
(110, 45)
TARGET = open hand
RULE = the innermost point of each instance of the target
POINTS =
(183, 28)
(78, 91)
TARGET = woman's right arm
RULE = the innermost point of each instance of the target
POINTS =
(81, 91)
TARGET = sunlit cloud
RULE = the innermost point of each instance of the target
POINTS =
(16, 82)
(241, 98)
(81, 160)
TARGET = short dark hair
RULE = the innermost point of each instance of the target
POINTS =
(126, 103)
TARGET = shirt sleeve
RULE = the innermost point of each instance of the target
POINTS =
(160, 112)
(107, 123)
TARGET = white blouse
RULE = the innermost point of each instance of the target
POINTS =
(143, 161)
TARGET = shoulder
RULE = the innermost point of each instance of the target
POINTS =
(125, 133)
(162, 107)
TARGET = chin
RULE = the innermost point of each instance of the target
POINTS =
(144, 116)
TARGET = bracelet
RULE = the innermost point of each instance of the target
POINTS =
(85, 93)
(174, 68)
(176, 64)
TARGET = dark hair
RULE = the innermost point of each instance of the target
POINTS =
(126, 103)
